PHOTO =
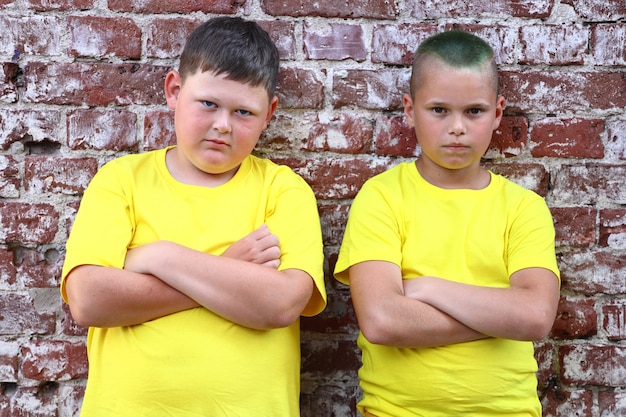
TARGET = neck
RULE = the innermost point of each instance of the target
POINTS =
(473, 177)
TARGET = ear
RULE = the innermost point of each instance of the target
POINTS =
(500, 102)
(270, 112)
(407, 101)
(173, 84)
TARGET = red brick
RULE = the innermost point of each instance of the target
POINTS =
(598, 10)
(8, 361)
(561, 403)
(503, 39)
(283, 34)
(591, 273)
(18, 316)
(39, 268)
(396, 44)
(575, 226)
(9, 177)
(335, 178)
(54, 174)
(531, 176)
(509, 139)
(375, 9)
(68, 324)
(328, 356)
(114, 130)
(8, 80)
(334, 42)
(28, 126)
(70, 400)
(90, 84)
(329, 396)
(479, 8)
(394, 137)
(28, 223)
(567, 138)
(159, 130)
(8, 271)
(338, 317)
(614, 319)
(575, 319)
(178, 29)
(616, 144)
(608, 43)
(545, 352)
(59, 5)
(553, 44)
(612, 402)
(53, 360)
(175, 6)
(31, 35)
(28, 401)
(333, 217)
(613, 228)
(69, 213)
(289, 132)
(370, 89)
(300, 89)
(591, 364)
(558, 91)
(343, 133)
(590, 184)
(94, 36)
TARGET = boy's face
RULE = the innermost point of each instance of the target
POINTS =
(454, 112)
(218, 122)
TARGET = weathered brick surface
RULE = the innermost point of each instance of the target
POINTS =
(81, 82)
(104, 37)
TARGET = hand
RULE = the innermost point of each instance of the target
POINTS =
(417, 288)
(259, 247)
(137, 259)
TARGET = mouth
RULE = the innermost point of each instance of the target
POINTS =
(216, 142)
(455, 147)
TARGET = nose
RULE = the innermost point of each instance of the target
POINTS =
(221, 123)
(457, 126)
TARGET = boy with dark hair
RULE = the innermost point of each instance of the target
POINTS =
(191, 265)
(452, 268)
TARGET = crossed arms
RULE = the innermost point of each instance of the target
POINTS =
(431, 311)
(242, 285)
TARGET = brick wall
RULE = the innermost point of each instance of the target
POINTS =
(81, 83)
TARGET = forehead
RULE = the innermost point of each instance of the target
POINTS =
(446, 84)
(433, 69)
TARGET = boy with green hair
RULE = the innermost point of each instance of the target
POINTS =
(191, 265)
(452, 268)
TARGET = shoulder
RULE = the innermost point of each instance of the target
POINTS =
(275, 174)
(133, 162)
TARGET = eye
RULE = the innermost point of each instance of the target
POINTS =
(438, 110)
(209, 104)
(475, 111)
(243, 112)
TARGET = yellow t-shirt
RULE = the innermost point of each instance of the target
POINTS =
(478, 237)
(194, 363)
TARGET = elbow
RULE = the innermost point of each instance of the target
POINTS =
(376, 331)
(82, 315)
(538, 327)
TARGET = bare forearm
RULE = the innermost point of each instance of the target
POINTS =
(249, 294)
(402, 322)
(388, 317)
(110, 297)
(520, 312)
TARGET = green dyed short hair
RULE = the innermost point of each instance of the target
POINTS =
(238, 48)
(457, 49)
